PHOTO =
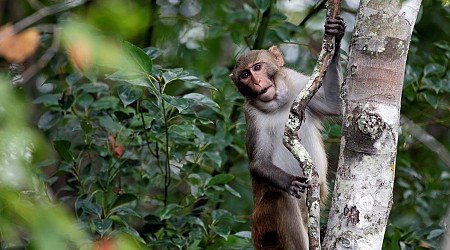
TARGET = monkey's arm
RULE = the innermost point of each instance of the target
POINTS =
(266, 172)
(327, 101)
(263, 170)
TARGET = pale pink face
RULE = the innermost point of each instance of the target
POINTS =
(255, 77)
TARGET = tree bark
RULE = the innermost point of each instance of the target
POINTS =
(371, 95)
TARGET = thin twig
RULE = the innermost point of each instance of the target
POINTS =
(263, 26)
(45, 58)
(296, 117)
(46, 11)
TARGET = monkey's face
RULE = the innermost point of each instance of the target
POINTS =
(257, 81)
(254, 74)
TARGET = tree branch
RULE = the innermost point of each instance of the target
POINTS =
(263, 26)
(296, 116)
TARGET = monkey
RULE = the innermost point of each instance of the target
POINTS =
(279, 218)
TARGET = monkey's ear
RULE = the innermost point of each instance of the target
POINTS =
(277, 54)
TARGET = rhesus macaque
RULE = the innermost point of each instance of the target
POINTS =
(280, 213)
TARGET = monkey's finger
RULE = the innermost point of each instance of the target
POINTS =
(301, 179)
(300, 185)
(337, 20)
(335, 24)
(297, 194)
(334, 27)
(339, 33)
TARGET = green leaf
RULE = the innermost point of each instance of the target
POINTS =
(196, 221)
(91, 208)
(106, 102)
(142, 62)
(197, 191)
(221, 214)
(432, 83)
(435, 234)
(445, 85)
(220, 179)
(195, 179)
(48, 100)
(63, 149)
(125, 211)
(172, 74)
(262, 4)
(153, 52)
(73, 78)
(185, 130)
(222, 230)
(85, 100)
(201, 99)
(443, 45)
(432, 99)
(169, 211)
(102, 225)
(66, 100)
(214, 157)
(129, 94)
(196, 81)
(48, 120)
(108, 123)
(131, 231)
(95, 87)
(86, 126)
(433, 69)
(124, 199)
(184, 106)
(132, 78)
(46, 163)
(232, 191)
(121, 115)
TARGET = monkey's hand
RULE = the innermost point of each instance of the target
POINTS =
(298, 186)
(335, 27)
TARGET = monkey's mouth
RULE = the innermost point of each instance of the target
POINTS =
(263, 91)
(266, 94)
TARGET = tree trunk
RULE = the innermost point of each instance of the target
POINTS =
(371, 96)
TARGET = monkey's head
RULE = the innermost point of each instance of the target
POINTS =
(254, 73)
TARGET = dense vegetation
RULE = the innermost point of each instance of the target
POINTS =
(123, 129)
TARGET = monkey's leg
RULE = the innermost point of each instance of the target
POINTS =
(293, 224)
(265, 217)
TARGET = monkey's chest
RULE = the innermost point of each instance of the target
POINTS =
(284, 160)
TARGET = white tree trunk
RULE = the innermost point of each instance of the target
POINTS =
(371, 95)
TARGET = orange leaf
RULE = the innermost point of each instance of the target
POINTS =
(20, 46)
(80, 51)
(118, 150)
(105, 244)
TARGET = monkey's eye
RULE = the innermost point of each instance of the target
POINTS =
(257, 67)
(245, 74)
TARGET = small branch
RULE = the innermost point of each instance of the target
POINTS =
(149, 35)
(296, 117)
(427, 139)
(314, 10)
(44, 12)
(263, 26)
(45, 58)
